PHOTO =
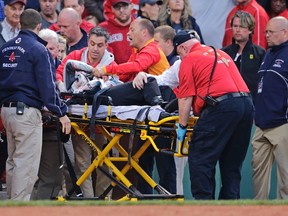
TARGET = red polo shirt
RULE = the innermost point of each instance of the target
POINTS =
(194, 76)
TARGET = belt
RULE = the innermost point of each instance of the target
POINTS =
(12, 104)
(232, 95)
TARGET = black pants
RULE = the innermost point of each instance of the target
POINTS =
(221, 134)
(125, 94)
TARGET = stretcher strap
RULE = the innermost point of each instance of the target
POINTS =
(133, 130)
(72, 175)
(96, 103)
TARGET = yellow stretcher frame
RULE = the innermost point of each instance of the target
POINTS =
(148, 132)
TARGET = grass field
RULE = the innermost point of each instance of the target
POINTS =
(144, 202)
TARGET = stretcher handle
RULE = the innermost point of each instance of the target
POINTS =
(167, 152)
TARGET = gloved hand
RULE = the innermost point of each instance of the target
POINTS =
(181, 132)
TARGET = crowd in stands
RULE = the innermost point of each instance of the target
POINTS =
(120, 37)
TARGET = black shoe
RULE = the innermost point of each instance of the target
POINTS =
(172, 106)
(164, 115)
(157, 100)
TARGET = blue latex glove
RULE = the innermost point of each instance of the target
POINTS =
(180, 133)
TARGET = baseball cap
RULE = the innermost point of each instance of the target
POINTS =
(114, 2)
(11, 2)
(142, 2)
(183, 36)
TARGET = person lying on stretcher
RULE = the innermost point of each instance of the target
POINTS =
(78, 79)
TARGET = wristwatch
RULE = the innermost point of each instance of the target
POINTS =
(182, 126)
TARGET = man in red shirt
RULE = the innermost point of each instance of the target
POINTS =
(261, 20)
(221, 99)
(118, 27)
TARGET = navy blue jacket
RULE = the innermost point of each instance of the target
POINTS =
(272, 98)
(27, 74)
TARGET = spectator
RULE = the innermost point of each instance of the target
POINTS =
(61, 48)
(48, 11)
(271, 137)
(164, 37)
(278, 8)
(10, 27)
(77, 5)
(50, 173)
(178, 14)
(220, 98)
(69, 28)
(118, 28)
(94, 8)
(261, 19)
(150, 9)
(147, 56)
(96, 55)
(26, 85)
(92, 19)
(246, 55)
(107, 11)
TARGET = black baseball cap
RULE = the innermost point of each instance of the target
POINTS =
(11, 2)
(183, 36)
(142, 2)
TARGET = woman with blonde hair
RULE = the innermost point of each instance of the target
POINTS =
(178, 14)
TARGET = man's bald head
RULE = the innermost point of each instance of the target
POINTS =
(69, 13)
(69, 22)
(279, 22)
(277, 31)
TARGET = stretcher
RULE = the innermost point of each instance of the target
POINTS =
(113, 128)
(114, 122)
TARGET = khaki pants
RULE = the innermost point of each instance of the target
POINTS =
(269, 145)
(83, 158)
(24, 138)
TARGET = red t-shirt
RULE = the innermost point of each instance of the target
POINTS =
(194, 76)
(118, 41)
